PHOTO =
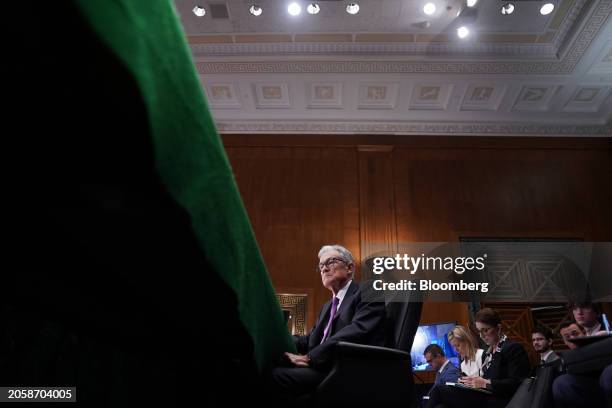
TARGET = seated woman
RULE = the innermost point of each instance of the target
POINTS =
(465, 344)
(504, 365)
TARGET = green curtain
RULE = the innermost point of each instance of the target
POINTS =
(147, 36)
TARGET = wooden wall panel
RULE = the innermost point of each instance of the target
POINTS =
(376, 201)
(299, 199)
(442, 194)
(302, 191)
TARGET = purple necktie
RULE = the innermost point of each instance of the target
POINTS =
(332, 313)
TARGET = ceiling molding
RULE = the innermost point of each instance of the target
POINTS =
(552, 79)
(412, 128)
(566, 65)
(399, 49)
(566, 27)
(507, 45)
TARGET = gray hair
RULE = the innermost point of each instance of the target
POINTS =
(344, 253)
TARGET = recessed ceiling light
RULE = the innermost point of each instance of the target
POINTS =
(313, 8)
(471, 3)
(547, 9)
(352, 8)
(294, 9)
(507, 9)
(199, 11)
(463, 32)
(255, 10)
(429, 9)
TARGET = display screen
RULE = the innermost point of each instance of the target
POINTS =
(432, 334)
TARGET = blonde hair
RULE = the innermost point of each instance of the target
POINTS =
(464, 336)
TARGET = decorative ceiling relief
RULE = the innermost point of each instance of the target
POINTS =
(588, 98)
(430, 96)
(324, 95)
(378, 95)
(272, 95)
(535, 98)
(483, 97)
(223, 95)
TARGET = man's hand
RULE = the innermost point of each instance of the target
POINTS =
(298, 360)
(474, 382)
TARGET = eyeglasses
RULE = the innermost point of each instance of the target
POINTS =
(329, 263)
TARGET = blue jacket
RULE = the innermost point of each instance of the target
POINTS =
(450, 373)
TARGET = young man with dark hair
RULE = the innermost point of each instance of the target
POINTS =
(591, 389)
(445, 370)
(569, 330)
(587, 315)
(542, 340)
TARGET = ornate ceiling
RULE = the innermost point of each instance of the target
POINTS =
(391, 69)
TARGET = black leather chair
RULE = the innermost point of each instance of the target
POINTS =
(375, 376)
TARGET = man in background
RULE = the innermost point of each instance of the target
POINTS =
(587, 315)
(590, 388)
(445, 370)
(569, 330)
(542, 340)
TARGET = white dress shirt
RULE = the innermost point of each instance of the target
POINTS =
(342, 293)
(544, 356)
(472, 368)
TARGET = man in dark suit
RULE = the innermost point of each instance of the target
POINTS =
(349, 316)
(445, 370)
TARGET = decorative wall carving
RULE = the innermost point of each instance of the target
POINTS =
(295, 304)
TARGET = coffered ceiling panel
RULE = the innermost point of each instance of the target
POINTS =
(535, 97)
(587, 98)
(324, 95)
(483, 96)
(431, 96)
(378, 95)
(223, 95)
(271, 95)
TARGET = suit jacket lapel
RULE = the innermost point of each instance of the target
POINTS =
(325, 314)
(320, 327)
(445, 369)
(350, 292)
